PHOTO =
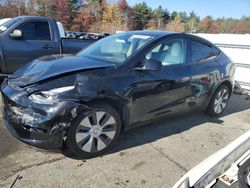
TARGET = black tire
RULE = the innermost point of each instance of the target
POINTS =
(211, 110)
(72, 146)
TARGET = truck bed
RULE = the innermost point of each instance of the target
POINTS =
(72, 46)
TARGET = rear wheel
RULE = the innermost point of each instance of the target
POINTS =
(92, 133)
(219, 101)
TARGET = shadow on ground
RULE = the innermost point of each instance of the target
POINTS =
(7, 145)
(166, 127)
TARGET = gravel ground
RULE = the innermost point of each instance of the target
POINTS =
(154, 155)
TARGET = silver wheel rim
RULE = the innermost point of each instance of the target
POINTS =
(220, 101)
(96, 131)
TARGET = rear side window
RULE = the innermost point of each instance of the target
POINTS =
(201, 52)
(35, 31)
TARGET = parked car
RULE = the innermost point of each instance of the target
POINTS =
(81, 103)
(84, 35)
(227, 168)
(25, 38)
(2, 21)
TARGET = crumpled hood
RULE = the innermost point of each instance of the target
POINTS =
(51, 66)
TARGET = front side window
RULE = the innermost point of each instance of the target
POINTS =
(201, 52)
(116, 48)
(35, 31)
(169, 52)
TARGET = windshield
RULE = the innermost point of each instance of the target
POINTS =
(116, 48)
(5, 25)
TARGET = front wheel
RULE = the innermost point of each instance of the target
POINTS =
(219, 101)
(92, 133)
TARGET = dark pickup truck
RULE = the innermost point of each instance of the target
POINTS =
(25, 38)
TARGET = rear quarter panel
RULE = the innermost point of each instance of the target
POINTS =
(226, 75)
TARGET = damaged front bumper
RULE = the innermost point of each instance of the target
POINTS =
(40, 125)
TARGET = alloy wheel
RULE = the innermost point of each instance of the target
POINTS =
(221, 100)
(96, 131)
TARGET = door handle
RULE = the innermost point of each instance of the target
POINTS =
(47, 47)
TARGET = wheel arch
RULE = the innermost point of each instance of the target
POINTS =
(118, 104)
(226, 82)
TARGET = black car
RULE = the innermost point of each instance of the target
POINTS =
(82, 103)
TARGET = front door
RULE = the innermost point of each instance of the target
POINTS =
(162, 92)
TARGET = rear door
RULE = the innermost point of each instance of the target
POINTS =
(204, 69)
(36, 41)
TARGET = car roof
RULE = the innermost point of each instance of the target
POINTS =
(153, 33)
(200, 39)
(158, 34)
(33, 17)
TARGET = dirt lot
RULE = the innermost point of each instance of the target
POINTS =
(154, 155)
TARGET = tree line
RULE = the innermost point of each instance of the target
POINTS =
(102, 16)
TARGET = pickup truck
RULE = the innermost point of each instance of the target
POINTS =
(25, 38)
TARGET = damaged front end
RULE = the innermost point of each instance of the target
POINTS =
(39, 119)
(44, 96)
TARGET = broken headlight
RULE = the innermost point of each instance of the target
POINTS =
(49, 97)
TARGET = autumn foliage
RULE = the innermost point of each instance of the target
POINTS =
(62, 12)
(110, 16)
(84, 19)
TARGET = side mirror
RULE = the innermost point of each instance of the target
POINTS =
(151, 65)
(16, 34)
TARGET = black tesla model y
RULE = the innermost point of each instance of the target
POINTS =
(81, 103)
